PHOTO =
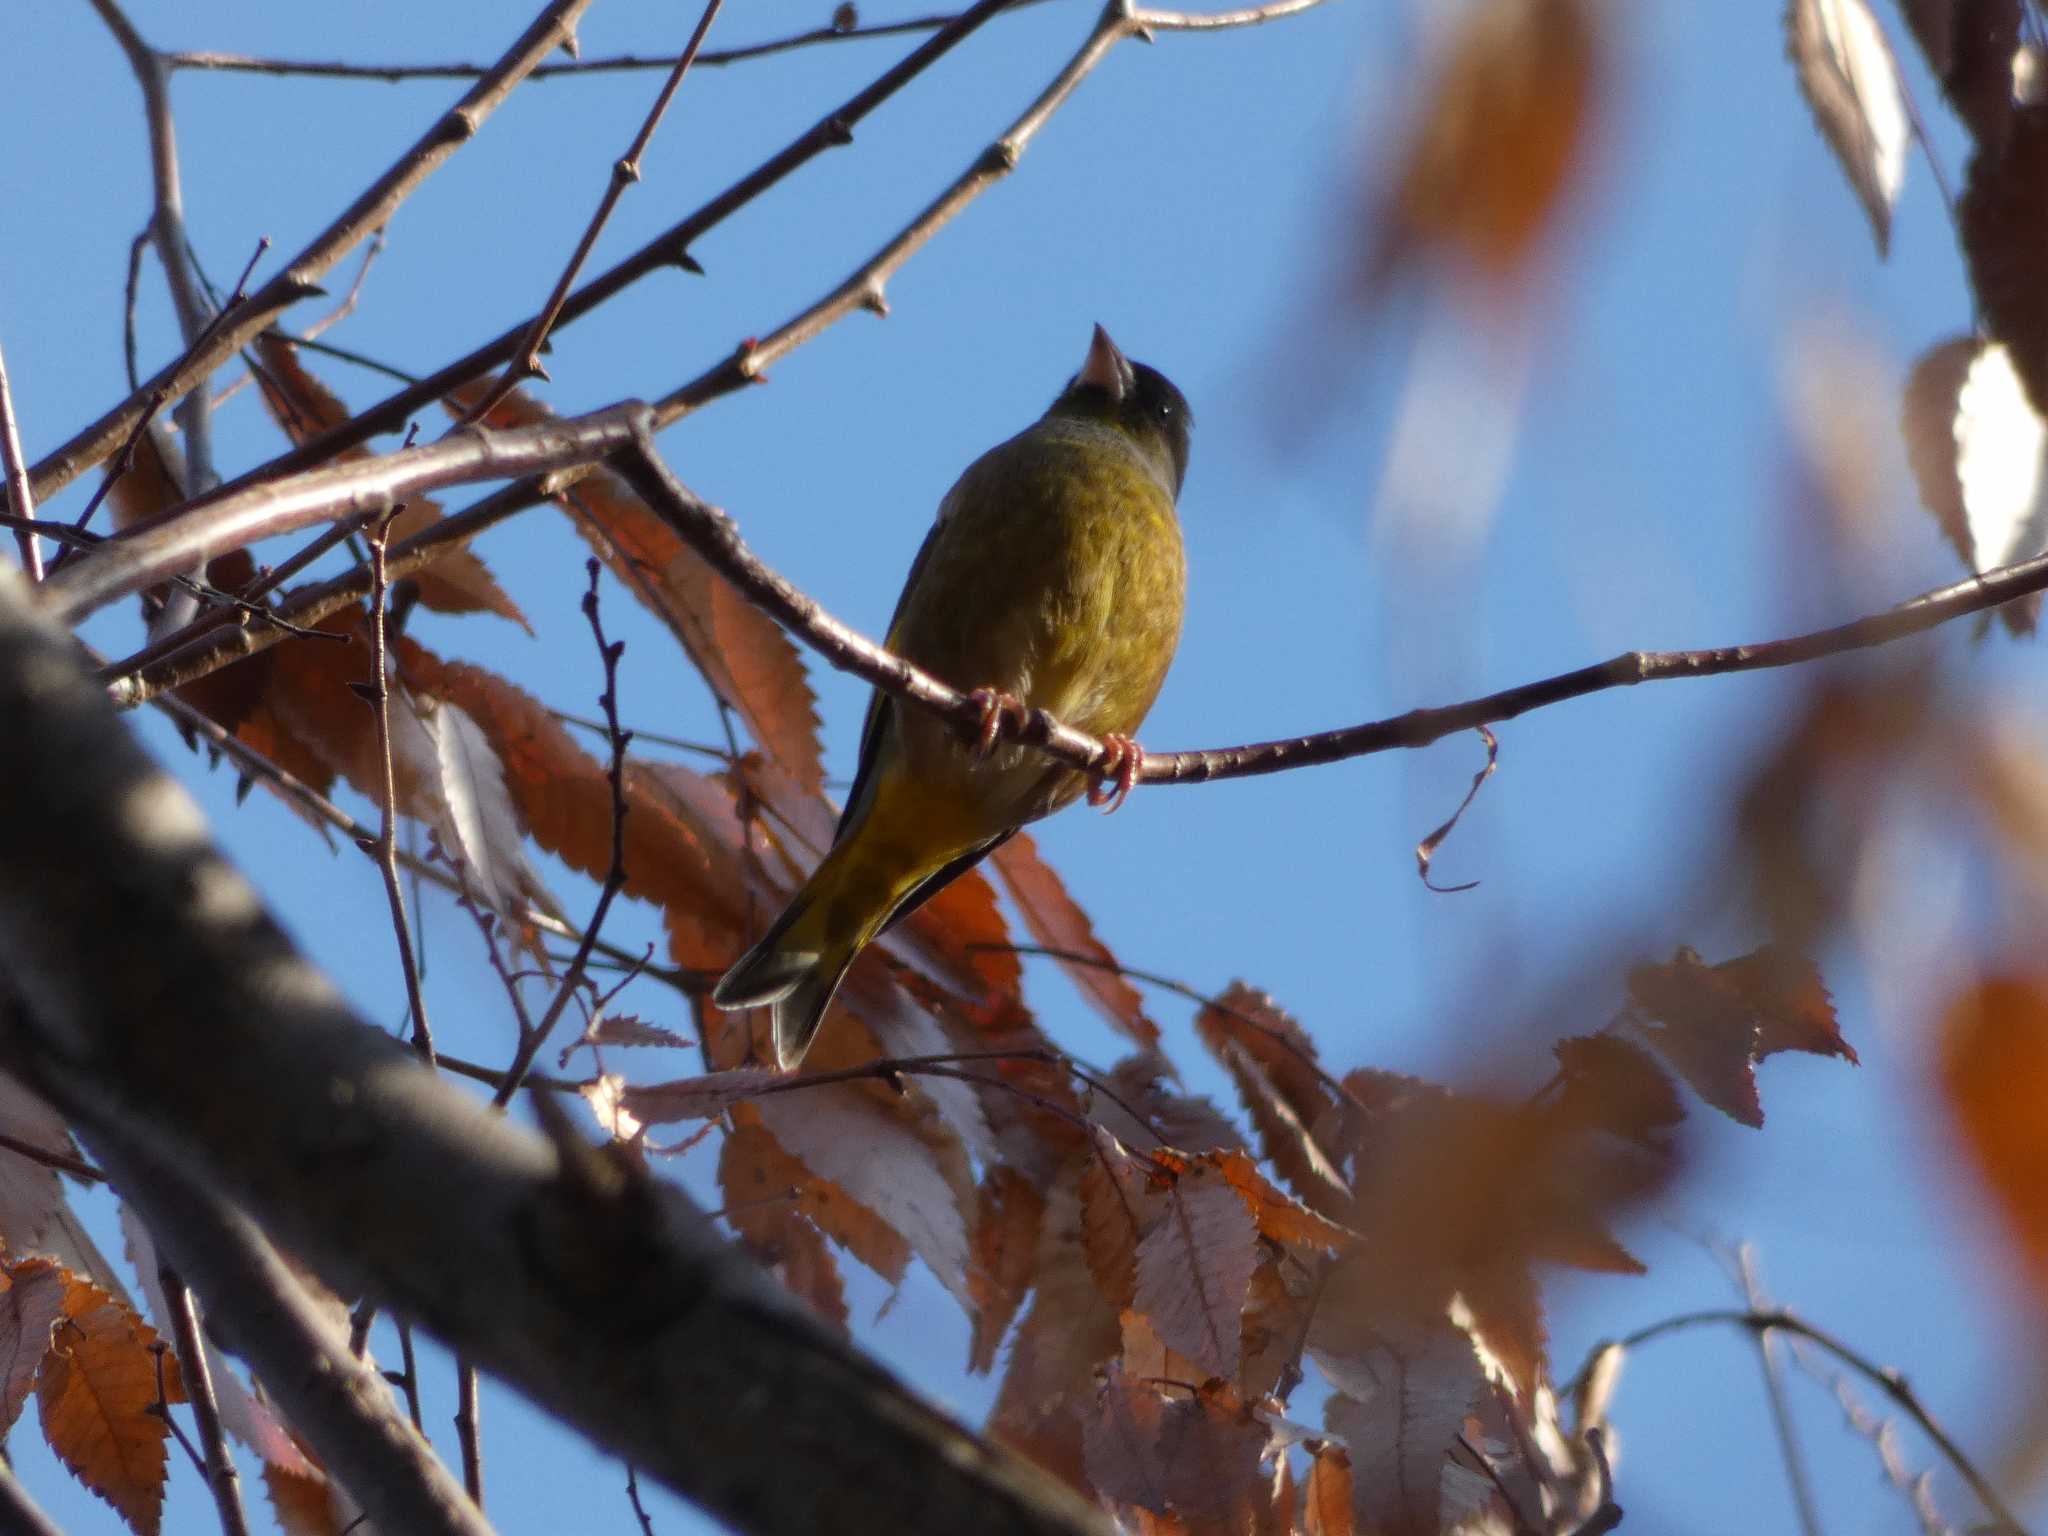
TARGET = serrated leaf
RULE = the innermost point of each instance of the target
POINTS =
(912, 1176)
(697, 1098)
(95, 1390)
(31, 1301)
(1057, 922)
(1195, 1455)
(1400, 1408)
(29, 1191)
(1194, 1269)
(1850, 79)
(1006, 1227)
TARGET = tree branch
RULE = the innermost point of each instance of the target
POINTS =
(360, 488)
(194, 1032)
(299, 279)
(21, 496)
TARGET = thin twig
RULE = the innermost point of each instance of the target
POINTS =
(57, 1160)
(19, 1512)
(21, 496)
(250, 64)
(668, 249)
(167, 234)
(633, 1497)
(532, 1041)
(1891, 1382)
(1796, 1474)
(222, 1480)
(469, 1431)
(409, 1383)
(525, 363)
(378, 692)
(300, 277)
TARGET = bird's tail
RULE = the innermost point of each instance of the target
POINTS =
(805, 954)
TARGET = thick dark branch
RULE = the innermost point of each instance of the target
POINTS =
(360, 488)
(554, 26)
(191, 1037)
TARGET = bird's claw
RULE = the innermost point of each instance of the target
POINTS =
(995, 707)
(1118, 774)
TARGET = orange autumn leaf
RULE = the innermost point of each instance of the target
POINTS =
(1994, 1080)
(755, 1166)
(96, 1388)
(762, 1190)
(1501, 131)
(1004, 1254)
(744, 655)
(304, 1506)
(1057, 922)
(1287, 1096)
(457, 581)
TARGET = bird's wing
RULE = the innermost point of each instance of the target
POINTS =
(881, 705)
(940, 879)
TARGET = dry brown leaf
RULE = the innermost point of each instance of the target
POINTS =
(1979, 452)
(1194, 1269)
(1281, 1219)
(1851, 81)
(1273, 1062)
(29, 1191)
(1068, 1331)
(765, 1191)
(304, 1506)
(1006, 1232)
(1970, 46)
(457, 581)
(95, 1390)
(2003, 216)
(1714, 1024)
(1502, 129)
(31, 1301)
(742, 653)
(1192, 1454)
(1326, 1501)
(755, 1170)
(1056, 921)
(1994, 1081)
(697, 1098)
(1400, 1408)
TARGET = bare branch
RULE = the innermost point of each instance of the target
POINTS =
(1891, 1382)
(361, 488)
(21, 496)
(249, 64)
(300, 277)
(668, 249)
(525, 363)
(222, 1480)
(19, 1512)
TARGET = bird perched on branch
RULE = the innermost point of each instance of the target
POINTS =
(1053, 579)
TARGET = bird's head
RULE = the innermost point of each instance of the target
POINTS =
(1138, 401)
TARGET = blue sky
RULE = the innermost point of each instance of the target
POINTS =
(1196, 197)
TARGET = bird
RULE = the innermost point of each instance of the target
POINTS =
(1053, 578)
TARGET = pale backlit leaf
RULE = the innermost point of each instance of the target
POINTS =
(1194, 1269)
(1851, 81)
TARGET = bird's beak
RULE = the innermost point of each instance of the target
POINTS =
(1107, 367)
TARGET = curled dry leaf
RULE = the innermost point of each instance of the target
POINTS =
(1979, 452)
(1850, 79)
(697, 1098)
(305, 1504)
(1057, 922)
(457, 581)
(1273, 1062)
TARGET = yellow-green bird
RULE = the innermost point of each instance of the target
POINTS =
(1053, 579)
